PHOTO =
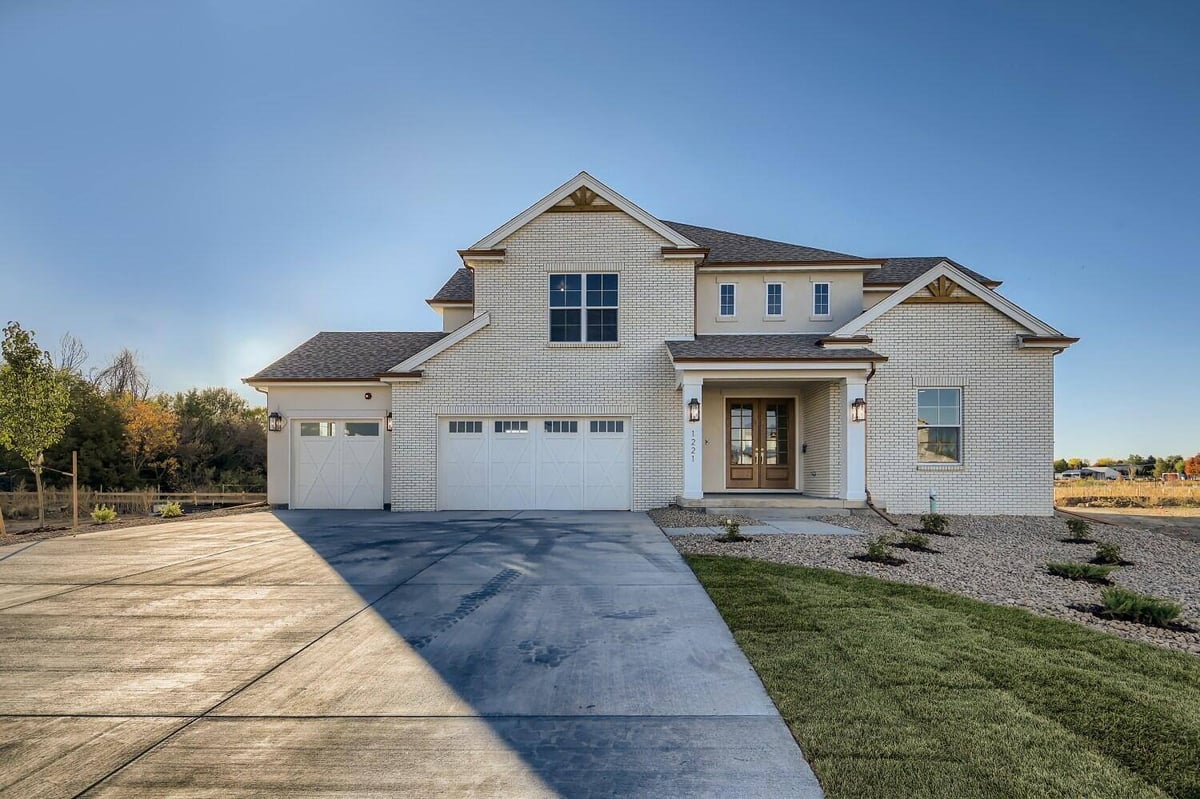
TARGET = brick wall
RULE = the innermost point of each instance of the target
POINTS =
(509, 367)
(1008, 412)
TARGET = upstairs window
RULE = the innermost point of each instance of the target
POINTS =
(820, 299)
(728, 303)
(583, 307)
(774, 299)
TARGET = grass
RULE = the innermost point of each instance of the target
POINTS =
(1126, 493)
(903, 691)
(1088, 572)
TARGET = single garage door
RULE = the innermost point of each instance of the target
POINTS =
(527, 463)
(337, 463)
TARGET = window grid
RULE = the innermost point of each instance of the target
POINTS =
(728, 299)
(820, 299)
(466, 427)
(939, 425)
(774, 299)
(583, 307)
(607, 426)
(562, 426)
(322, 429)
(512, 426)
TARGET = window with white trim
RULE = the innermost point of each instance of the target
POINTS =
(939, 425)
(583, 307)
(607, 426)
(728, 304)
(507, 426)
(774, 299)
(820, 299)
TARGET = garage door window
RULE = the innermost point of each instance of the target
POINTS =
(507, 426)
(362, 428)
(466, 427)
(607, 426)
(556, 426)
(316, 428)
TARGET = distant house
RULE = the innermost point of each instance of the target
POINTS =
(1102, 473)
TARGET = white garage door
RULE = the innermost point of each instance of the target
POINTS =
(337, 463)
(527, 463)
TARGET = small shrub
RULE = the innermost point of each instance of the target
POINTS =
(934, 523)
(103, 514)
(878, 549)
(915, 540)
(1088, 572)
(733, 532)
(1108, 552)
(1121, 603)
(172, 510)
(1079, 528)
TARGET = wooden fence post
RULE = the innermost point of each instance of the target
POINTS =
(3, 531)
(74, 489)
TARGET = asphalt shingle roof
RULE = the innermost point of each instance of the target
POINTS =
(789, 347)
(459, 288)
(347, 356)
(904, 270)
(734, 248)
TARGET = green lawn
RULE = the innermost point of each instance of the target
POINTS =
(901, 692)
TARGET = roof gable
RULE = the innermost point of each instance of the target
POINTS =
(569, 196)
(966, 283)
(899, 271)
(460, 288)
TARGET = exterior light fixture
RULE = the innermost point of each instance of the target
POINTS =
(389, 421)
(858, 410)
(694, 410)
(274, 422)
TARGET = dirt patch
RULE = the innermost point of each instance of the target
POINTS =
(86, 525)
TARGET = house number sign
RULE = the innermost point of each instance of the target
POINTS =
(693, 445)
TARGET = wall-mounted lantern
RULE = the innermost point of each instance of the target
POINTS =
(858, 410)
(389, 421)
(274, 422)
(694, 410)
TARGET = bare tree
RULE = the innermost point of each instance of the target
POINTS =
(71, 354)
(123, 375)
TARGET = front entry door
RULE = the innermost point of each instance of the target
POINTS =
(760, 446)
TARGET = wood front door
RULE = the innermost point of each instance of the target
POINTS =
(760, 444)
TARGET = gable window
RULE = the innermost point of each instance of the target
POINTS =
(774, 299)
(939, 425)
(728, 303)
(583, 307)
(820, 299)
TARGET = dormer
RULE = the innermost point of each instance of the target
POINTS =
(455, 301)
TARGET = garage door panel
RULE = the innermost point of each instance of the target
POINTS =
(462, 465)
(560, 471)
(335, 466)
(511, 473)
(606, 471)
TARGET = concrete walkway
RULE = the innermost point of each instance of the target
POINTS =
(370, 654)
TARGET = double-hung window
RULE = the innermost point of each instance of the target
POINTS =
(939, 425)
(820, 299)
(728, 299)
(583, 307)
(774, 299)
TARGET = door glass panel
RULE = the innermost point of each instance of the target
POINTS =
(776, 425)
(361, 428)
(741, 434)
(316, 429)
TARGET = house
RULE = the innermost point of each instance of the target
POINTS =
(593, 356)
(1101, 473)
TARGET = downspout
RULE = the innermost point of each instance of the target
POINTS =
(870, 503)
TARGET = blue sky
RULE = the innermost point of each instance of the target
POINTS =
(212, 182)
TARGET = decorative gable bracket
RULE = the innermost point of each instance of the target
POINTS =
(943, 290)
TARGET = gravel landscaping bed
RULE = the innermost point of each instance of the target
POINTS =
(1002, 559)
(674, 516)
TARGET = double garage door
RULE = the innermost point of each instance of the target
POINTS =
(337, 463)
(534, 463)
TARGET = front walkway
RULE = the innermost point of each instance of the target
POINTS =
(366, 653)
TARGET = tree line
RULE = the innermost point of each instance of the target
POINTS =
(127, 438)
(1150, 465)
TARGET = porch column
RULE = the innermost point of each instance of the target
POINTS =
(693, 441)
(856, 442)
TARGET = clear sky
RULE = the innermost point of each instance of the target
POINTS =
(212, 182)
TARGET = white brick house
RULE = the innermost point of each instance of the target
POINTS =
(595, 357)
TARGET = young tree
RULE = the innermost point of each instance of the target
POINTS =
(1191, 467)
(34, 403)
(150, 436)
(124, 375)
(1077, 463)
(71, 355)
(1060, 466)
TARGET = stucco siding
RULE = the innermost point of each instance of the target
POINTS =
(509, 367)
(845, 301)
(1007, 412)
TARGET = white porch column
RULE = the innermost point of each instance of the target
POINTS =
(693, 441)
(855, 459)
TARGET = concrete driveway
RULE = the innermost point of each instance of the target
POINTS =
(362, 654)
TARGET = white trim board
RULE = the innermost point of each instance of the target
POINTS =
(442, 344)
(498, 235)
(965, 281)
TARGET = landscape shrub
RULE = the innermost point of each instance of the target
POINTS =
(1108, 552)
(1088, 572)
(1080, 529)
(172, 510)
(915, 540)
(879, 549)
(103, 514)
(934, 523)
(1126, 605)
(733, 532)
